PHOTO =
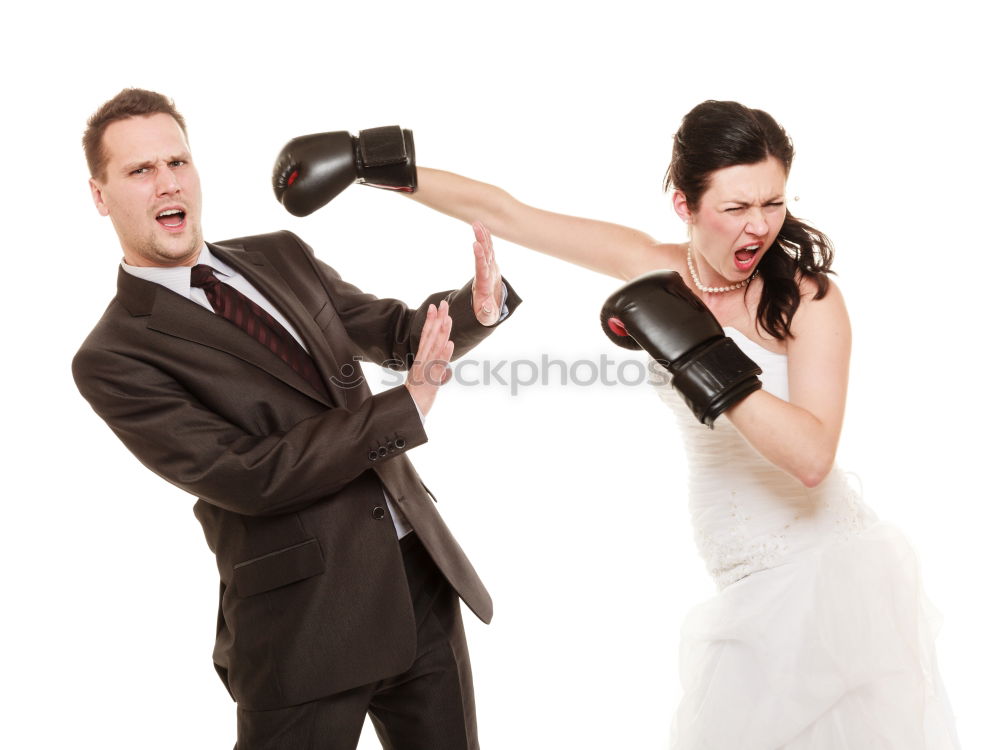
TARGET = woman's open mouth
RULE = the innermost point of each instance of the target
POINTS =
(745, 256)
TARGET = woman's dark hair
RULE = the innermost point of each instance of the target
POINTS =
(715, 135)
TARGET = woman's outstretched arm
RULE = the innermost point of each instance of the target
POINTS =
(600, 246)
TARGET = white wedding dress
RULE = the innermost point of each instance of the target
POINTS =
(820, 637)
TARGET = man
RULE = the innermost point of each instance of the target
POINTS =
(330, 606)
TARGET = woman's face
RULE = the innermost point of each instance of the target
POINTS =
(738, 219)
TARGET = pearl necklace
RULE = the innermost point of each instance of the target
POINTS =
(716, 289)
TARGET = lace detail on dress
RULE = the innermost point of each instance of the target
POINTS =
(743, 548)
(852, 516)
(736, 553)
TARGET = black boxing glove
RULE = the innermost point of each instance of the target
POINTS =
(312, 170)
(657, 312)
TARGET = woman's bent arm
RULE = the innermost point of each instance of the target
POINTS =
(800, 435)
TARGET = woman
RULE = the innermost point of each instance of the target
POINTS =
(818, 637)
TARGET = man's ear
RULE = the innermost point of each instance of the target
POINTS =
(681, 207)
(98, 196)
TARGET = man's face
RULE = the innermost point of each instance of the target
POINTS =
(151, 191)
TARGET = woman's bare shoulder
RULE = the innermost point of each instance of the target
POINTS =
(822, 312)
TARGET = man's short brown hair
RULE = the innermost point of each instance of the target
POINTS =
(127, 103)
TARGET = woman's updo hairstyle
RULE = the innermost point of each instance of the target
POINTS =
(715, 135)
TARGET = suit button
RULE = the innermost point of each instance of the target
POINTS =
(383, 451)
(372, 455)
(400, 443)
(378, 512)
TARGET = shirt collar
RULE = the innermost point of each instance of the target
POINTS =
(178, 278)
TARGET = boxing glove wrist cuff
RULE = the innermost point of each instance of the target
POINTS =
(386, 159)
(714, 378)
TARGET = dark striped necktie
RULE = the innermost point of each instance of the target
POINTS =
(258, 323)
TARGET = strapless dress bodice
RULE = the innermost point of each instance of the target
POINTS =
(748, 515)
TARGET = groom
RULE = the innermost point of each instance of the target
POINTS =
(339, 580)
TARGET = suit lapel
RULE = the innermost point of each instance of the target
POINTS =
(261, 273)
(173, 315)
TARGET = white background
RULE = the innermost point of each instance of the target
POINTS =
(570, 500)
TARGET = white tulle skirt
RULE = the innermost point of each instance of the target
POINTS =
(832, 650)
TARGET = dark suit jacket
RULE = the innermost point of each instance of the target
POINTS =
(314, 598)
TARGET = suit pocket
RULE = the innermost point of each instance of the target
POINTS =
(278, 568)
(428, 490)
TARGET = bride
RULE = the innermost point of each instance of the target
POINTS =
(819, 636)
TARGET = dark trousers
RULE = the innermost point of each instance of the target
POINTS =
(430, 706)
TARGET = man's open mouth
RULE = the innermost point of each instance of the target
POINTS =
(172, 218)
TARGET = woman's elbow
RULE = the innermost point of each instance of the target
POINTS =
(814, 472)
